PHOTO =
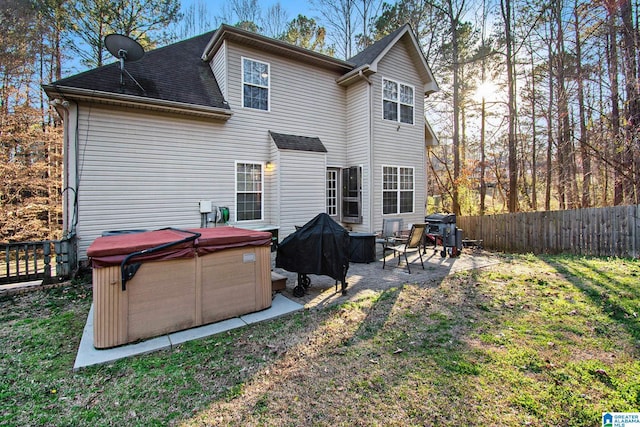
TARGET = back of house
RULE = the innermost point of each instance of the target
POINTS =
(272, 132)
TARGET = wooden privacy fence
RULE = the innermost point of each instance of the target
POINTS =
(611, 231)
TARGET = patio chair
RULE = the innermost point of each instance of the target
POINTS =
(413, 243)
(391, 227)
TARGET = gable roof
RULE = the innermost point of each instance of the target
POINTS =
(178, 77)
(366, 62)
(371, 53)
(295, 142)
(268, 44)
(173, 75)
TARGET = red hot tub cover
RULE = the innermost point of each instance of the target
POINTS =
(219, 238)
(111, 250)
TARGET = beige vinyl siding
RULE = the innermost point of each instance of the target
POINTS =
(358, 144)
(218, 66)
(302, 183)
(304, 100)
(273, 186)
(142, 169)
(149, 170)
(145, 170)
(399, 144)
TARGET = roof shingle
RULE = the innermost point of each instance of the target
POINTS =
(371, 53)
(171, 73)
(295, 142)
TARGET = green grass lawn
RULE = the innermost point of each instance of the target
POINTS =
(535, 341)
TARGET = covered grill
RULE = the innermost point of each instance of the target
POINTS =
(320, 247)
(442, 230)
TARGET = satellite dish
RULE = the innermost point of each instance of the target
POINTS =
(125, 49)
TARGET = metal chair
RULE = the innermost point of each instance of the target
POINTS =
(391, 227)
(412, 243)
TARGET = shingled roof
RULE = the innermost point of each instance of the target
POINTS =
(295, 142)
(370, 54)
(176, 77)
(172, 73)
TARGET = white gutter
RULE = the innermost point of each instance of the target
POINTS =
(139, 102)
(70, 177)
(371, 157)
(346, 79)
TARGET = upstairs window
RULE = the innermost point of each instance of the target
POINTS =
(248, 191)
(397, 101)
(255, 84)
(397, 190)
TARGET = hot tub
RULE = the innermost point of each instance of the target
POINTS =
(176, 279)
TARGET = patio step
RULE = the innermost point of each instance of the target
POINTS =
(278, 282)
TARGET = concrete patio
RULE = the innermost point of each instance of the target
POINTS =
(372, 277)
(361, 278)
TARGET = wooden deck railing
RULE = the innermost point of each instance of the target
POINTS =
(29, 261)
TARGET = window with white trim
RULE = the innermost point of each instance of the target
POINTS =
(249, 184)
(332, 192)
(397, 101)
(352, 195)
(255, 84)
(397, 190)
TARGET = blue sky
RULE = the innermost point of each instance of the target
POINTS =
(292, 7)
(215, 9)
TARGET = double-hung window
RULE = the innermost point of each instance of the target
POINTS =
(255, 84)
(397, 101)
(249, 186)
(397, 190)
(332, 192)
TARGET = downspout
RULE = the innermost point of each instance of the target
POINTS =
(68, 222)
(371, 172)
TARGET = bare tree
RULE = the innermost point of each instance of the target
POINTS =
(366, 10)
(631, 162)
(506, 9)
(583, 138)
(338, 15)
(195, 20)
(274, 22)
(612, 65)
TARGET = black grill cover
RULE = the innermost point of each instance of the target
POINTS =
(443, 218)
(320, 247)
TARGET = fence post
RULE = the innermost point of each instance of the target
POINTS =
(62, 258)
(46, 249)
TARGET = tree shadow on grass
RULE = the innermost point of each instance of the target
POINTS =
(615, 295)
(454, 351)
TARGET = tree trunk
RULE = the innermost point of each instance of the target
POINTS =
(549, 175)
(512, 197)
(617, 149)
(583, 140)
(456, 107)
(534, 163)
(564, 130)
(631, 160)
(483, 117)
